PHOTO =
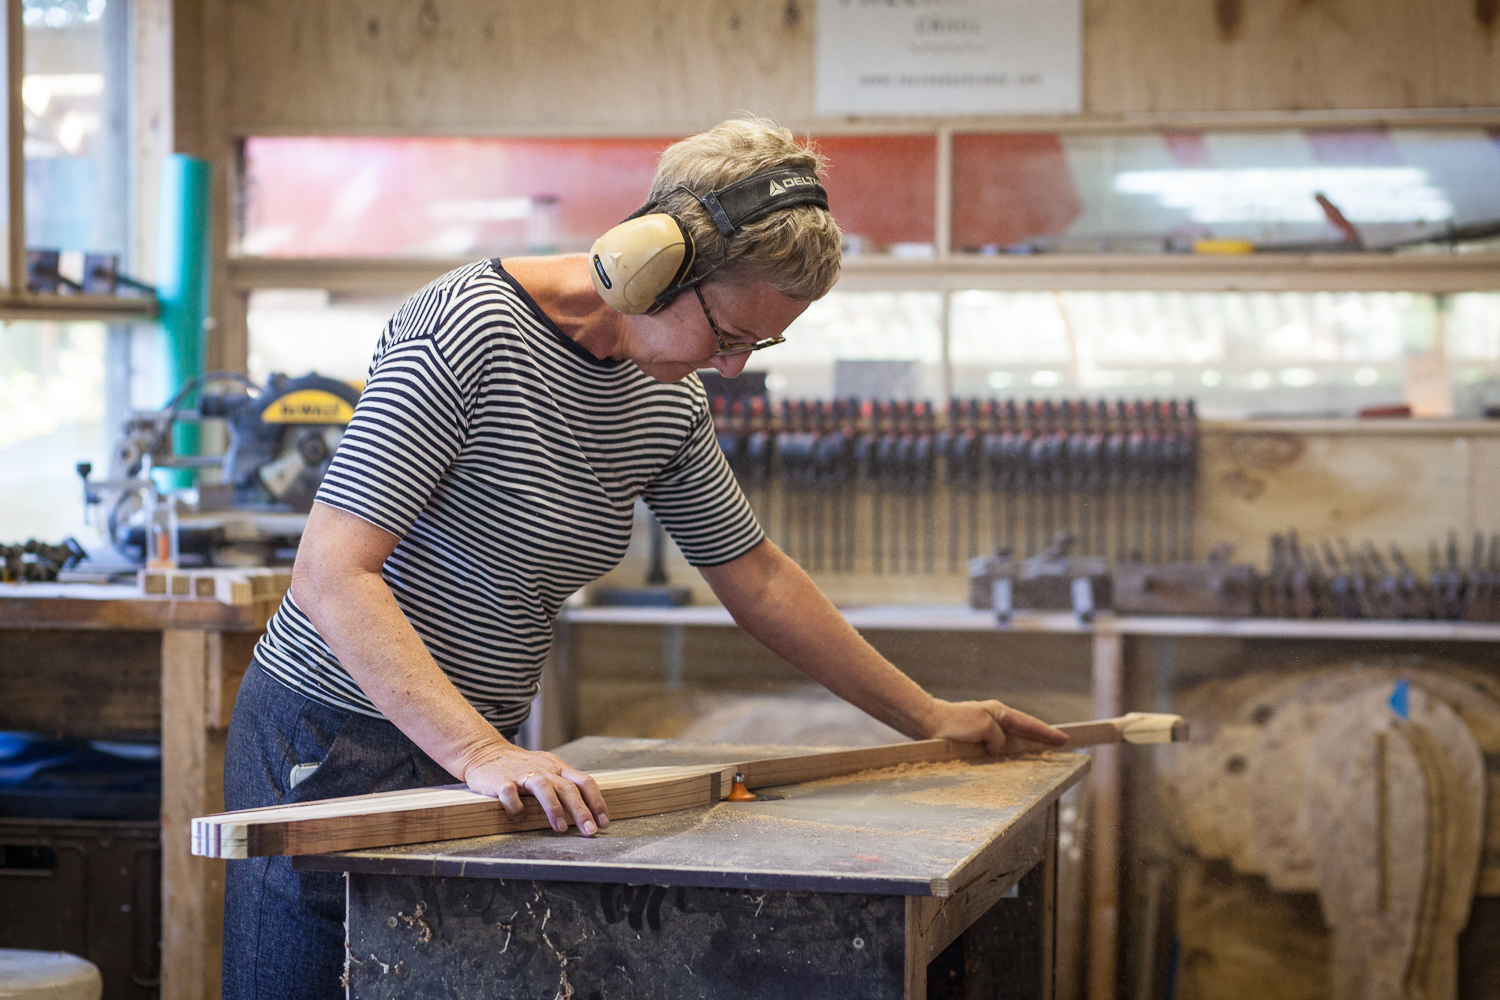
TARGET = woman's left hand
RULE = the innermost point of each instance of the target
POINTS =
(989, 722)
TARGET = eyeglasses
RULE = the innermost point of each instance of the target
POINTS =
(727, 347)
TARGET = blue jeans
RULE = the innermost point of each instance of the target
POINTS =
(284, 929)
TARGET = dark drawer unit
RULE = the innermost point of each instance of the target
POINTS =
(89, 888)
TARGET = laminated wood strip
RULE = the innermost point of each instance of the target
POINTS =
(419, 815)
(1136, 727)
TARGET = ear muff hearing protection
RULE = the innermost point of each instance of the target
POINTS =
(642, 264)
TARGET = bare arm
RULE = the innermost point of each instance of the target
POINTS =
(774, 600)
(337, 583)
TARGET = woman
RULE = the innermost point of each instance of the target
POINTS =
(510, 422)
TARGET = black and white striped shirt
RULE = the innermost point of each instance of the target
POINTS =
(507, 460)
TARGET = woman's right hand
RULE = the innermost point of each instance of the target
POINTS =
(563, 791)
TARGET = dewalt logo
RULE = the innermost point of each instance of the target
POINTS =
(308, 406)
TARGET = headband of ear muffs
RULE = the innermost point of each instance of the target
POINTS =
(642, 264)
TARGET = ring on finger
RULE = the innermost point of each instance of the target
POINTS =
(527, 777)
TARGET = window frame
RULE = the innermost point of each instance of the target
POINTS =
(16, 302)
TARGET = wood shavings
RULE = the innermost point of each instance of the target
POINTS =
(417, 920)
(946, 768)
(897, 772)
(753, 821)
(982, 794)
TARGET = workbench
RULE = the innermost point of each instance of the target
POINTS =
(845, 887)
(93, 662)
(1131, 665)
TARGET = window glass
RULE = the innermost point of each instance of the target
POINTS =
(1237, 353)
(362, 197)
(51, 418)
(1163, 192)
(404, 197)
(74, 93)
(845, 327)
(298, 331)
(881, 191)
(1472, 343)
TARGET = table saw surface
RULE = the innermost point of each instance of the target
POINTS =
(913, 830)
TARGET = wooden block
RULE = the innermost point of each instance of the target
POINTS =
(180, 584)
(204, 585)
(152, 581)
(234, 589)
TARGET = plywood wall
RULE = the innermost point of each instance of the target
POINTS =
(1406, 485)
(655, 66)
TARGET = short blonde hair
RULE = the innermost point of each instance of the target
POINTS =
(796, 251)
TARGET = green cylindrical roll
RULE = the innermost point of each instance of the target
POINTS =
(182, 283)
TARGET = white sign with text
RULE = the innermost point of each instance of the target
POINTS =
(950, 57)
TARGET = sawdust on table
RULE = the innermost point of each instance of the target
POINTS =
(981, 793)
(896, 771)
(988, 785)
(731, 818)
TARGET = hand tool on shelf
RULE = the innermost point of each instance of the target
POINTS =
(1359, 576)
(793, 457)
(1387, 597)
(834, 460)
(1340, 586)
(1300, 602)
(864, 476)
(1476, 583)
(1052, 580)
(903, 542)
(1272, 597)
(760, 452)
(1446, 580)
(1216, 588)
(1318, 583)
(923, 476)
(1117, 459)
(1173, 456)
(1003, 451)
(1138, 460)
(1154, 456)
(1417, 602)
(1046, 469)
(1098, 476)
(1081, 447)
(883, 452)
(1030, 480)
(961, 460)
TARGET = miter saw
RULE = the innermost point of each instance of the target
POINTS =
(282, 438)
